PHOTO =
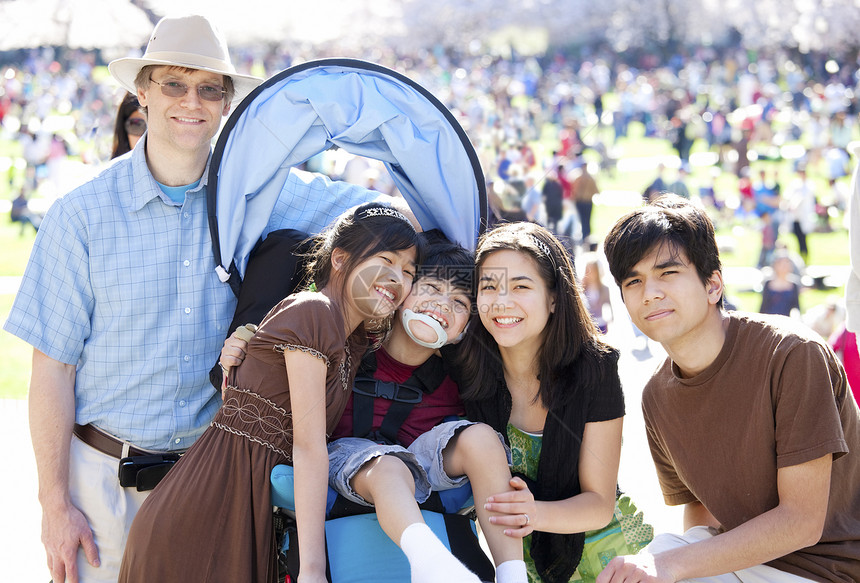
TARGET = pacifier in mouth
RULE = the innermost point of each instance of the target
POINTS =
(441, 336)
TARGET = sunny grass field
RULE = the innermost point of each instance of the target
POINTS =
(825, 248)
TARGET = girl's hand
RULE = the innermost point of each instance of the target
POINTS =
(516, 509)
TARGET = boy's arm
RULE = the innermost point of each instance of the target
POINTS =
(695, 514)
(235, 347)
(795, 523)
(233, 352)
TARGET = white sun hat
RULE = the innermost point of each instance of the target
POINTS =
(184, 41)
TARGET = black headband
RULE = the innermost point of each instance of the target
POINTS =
(381, 211)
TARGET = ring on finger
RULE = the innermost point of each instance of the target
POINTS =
(527, 519)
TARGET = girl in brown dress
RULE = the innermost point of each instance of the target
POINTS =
(210, 519)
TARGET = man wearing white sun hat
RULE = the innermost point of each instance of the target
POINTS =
(124, 309)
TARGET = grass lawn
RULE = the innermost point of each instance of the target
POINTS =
(16, 247)
(825, 248)
(15, 358)
(15, 354)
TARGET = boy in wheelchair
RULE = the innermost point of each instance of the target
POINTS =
(395, 445)
(401, 446)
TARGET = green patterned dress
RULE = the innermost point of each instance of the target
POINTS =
(626, 534)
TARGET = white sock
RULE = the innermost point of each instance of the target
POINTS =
(429, 560)
(512, 572)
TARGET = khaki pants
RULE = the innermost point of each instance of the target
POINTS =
(757, 574)
(108, 507)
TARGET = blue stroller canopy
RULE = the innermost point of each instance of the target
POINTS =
(367, 110)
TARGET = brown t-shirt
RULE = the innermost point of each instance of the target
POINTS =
(584, 187)
(776, 396)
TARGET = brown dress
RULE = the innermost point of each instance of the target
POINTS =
(210, 519)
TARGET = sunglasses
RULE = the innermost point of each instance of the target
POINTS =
(135, 126)
(206, 91)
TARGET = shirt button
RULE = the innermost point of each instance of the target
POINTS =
(177, 440)
(186, 263)
(182, 403)
(186, 358)
(187, 214)
(187, 310)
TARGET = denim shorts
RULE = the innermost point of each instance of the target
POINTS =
(423, 458)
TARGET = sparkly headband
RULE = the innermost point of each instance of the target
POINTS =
(544, 248)
(382, 211)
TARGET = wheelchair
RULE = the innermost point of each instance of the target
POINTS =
(374, 112)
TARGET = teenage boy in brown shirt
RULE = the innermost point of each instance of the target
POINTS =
(750, 420)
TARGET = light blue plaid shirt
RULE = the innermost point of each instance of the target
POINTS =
(121, 283)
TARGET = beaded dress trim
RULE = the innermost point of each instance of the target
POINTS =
(273, 428)
(311, 351)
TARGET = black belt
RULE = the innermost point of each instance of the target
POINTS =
(105, 443)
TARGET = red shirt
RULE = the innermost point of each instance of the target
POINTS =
(432, 409)
(746, 189)
(844, 343)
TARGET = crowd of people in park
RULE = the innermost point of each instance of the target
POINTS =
(126, 316)
(549, 130)
(732, 99)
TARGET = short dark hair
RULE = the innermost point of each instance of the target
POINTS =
(669, 220)
(448, 261)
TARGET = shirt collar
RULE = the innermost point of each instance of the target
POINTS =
(145, 187)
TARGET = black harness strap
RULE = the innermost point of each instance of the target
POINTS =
(403, 396)
(465, 546)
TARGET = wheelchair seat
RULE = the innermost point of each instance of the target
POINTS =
(357, 546)
(454, 501)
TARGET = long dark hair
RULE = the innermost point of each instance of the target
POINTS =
(570, 332)
(121, 143)
(363, 232)
(573, 365)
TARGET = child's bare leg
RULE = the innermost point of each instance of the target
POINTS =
(386, 482)
(477, 453)
(387, 479)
